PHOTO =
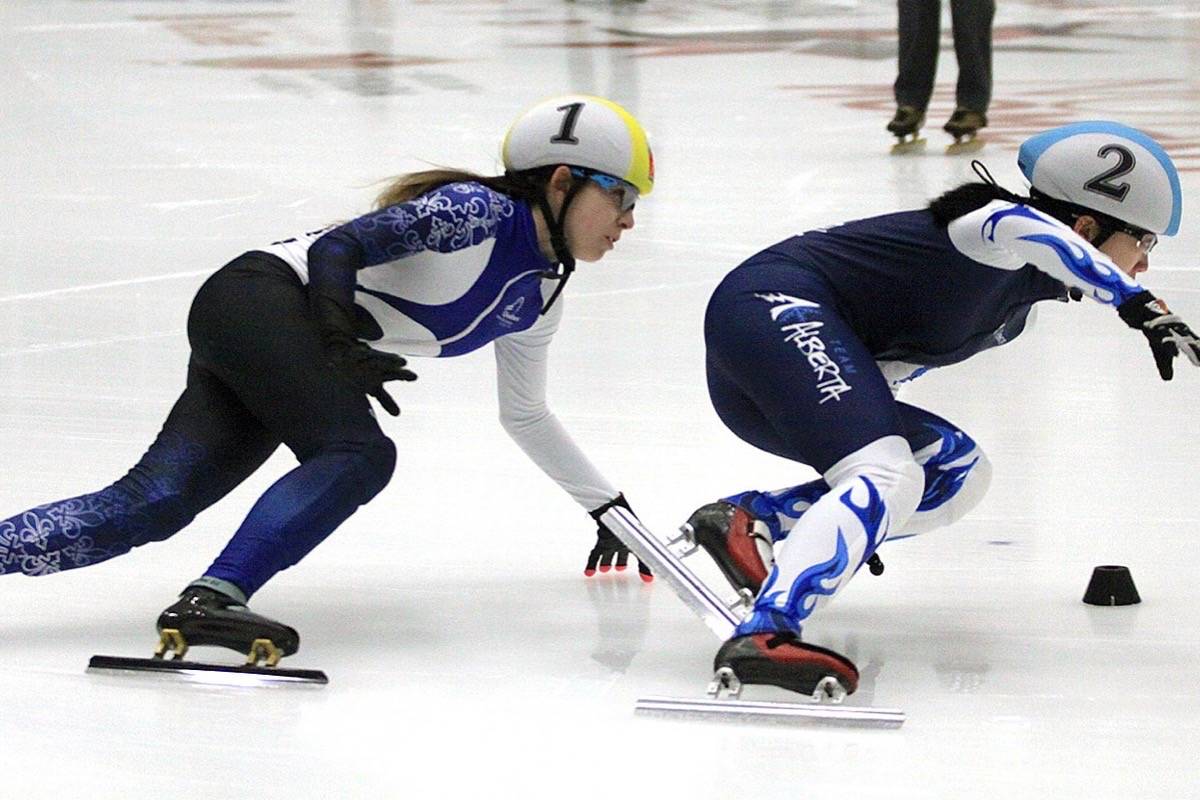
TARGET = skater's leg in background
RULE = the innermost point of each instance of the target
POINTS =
(972, 25)
(919, 29)
(207, 446)
(251, 326)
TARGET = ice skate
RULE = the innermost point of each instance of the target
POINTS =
(905, 126)
(777, 659)
(203, 616)
(665, 558)
(739, 543)
(782, 659)
(964, 125)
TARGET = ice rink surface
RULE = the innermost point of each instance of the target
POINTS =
(146, 143)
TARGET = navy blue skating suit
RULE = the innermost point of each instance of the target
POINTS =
(441, 275)
(808, 340)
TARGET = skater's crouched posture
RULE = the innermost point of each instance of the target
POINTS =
(807, 340)
(288, 342)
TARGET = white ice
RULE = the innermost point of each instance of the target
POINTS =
(146, 143)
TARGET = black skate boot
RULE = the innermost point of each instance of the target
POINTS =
(904, 126)
(738, 543)
(964, 125)
(781, 659)
(204, 616)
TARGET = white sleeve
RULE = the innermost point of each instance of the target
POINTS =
(521, 381)
(1010, 235)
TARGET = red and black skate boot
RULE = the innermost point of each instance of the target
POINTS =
(781, 659)
(738, 542)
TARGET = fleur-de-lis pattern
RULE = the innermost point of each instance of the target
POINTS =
(145, 505)
(451, 218)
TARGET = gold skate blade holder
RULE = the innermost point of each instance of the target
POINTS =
(263, 649)
(171, 639)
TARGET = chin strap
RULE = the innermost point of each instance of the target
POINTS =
(566, 262)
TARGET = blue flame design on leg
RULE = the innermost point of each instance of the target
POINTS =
(871, 515)
(773, 613)
(781, 509)
(770, 616)
(942, 482)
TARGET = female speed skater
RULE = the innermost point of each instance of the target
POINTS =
(288, 341)
(807, 341)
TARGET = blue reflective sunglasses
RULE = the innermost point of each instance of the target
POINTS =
(624, 192)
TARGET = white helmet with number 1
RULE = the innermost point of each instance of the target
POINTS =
(1106, 167)
(580, 130)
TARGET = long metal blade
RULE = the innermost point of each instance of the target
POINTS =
(656, 554)
(745, 710)
(208, 673)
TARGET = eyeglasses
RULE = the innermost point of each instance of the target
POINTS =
(624, 192)
(1145, 239)
(1108, 226)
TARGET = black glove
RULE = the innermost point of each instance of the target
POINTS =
(366, 367)
(369, 369)
(608, 545)
(1167, 333)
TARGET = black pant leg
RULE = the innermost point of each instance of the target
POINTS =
(919, 29)
(972, 23)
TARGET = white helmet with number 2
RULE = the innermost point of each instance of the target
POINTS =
(580, 130)
(1106, 167)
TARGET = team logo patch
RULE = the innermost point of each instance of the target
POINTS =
(796, 318)
(511, 314)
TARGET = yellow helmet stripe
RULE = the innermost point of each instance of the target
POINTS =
(640, 171)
